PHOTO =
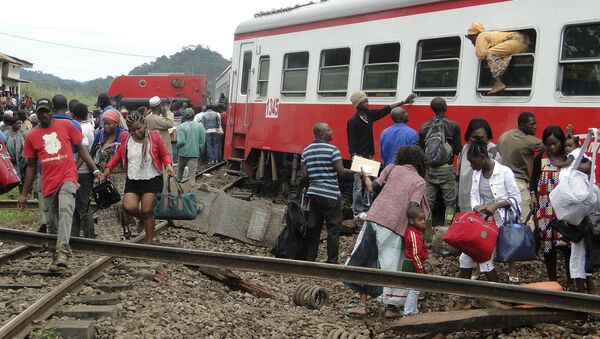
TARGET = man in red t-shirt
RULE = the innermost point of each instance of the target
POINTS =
(50, 144)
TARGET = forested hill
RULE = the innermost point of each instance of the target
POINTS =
(45, 80)
(190, 60)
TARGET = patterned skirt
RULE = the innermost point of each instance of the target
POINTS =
(499, 56)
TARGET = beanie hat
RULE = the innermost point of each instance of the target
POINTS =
(358, 97)
(475, 28)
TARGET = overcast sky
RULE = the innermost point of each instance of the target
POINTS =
(150, 27)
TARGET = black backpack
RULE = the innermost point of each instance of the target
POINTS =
(437, 151)
(291, 242)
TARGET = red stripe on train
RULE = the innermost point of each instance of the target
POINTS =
(387, 14)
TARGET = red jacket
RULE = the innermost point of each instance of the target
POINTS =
(158, 152)
(415, 248)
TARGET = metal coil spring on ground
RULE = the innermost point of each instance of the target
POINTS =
(311, 296)
(343, 334)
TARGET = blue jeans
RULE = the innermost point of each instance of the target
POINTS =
(213, 146)
(360, 196)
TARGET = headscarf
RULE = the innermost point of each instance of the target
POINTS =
(475, 28)
(112, 115)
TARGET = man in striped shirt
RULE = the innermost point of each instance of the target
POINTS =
(322, 163)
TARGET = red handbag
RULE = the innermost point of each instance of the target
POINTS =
(9, 178)
(473, 235)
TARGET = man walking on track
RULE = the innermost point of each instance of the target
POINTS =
(50, 143)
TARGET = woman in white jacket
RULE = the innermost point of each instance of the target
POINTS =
(492, 186)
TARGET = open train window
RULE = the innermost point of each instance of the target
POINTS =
(580, 60)
(437, 65)
(247, 63)
(295, 72)
(380, 70)
(333, 72)
(262, 84)
(518, 77)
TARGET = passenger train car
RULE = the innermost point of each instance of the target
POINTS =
(292, 68)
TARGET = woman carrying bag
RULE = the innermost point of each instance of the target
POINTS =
(492, 186)
(143, 156)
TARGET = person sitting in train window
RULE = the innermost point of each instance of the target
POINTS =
(497, 48)
(360, 142)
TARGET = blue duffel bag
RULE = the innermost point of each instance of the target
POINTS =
(516, 241)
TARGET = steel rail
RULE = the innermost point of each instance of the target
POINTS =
(16, 253)
(31, 204)
(465, 287)
(12, 204)
(20, 325)
(210, 169)
(231, 184)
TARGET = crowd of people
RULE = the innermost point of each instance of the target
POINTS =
(517, 173)
(59, 148)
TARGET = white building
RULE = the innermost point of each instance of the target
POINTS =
(10, 80)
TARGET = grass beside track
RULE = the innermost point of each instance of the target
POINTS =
(10, 218)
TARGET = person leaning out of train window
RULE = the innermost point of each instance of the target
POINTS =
(496, 48)
(359, 129)
(107, 139)
(144, 156)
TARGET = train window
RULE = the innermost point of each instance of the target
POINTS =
(263, 76)
(295, 71)
(518, 77)
(580, 60)
(437, 67)
(380, 70)
(246, 72)
(333, 72)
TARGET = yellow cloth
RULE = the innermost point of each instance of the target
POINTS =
(487, 40)
(475, 28)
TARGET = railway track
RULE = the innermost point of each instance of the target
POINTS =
(12, 204)
(438, 284)
(21, 325)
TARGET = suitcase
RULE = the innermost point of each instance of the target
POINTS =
(473, 235)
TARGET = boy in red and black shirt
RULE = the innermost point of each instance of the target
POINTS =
(415, 253)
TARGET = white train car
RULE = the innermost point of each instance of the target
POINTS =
(295, 67)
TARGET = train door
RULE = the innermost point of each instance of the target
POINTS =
(243, 101)
(244, 84)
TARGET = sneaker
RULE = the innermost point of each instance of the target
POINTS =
(62, 260)
(361, 215)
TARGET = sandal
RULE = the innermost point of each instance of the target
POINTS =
(359, 310)
(513, 280)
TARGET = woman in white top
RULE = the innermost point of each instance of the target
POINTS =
(492, 186)
(144, 157)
